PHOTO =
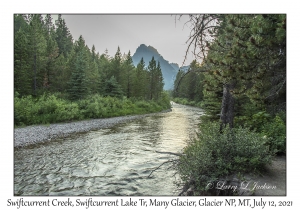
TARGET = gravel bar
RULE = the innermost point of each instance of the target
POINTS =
(41, 133)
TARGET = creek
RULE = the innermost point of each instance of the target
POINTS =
(111, 161)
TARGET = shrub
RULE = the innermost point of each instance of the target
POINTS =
(164, 101)
(50, 108)
(276, 133)
(67, 112)
(214, 155)
(23, 110)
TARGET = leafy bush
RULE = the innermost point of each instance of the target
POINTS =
(164, 101)
(272, 127)
(214, 155)
(276, 133)
(50, 108)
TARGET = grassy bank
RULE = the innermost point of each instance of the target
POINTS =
(53, 109)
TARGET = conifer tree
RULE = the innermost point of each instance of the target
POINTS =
(242, 54)
(159, 80)
(22, 70)
(152, 68)
(112, 88)
(37, 44)
(127, 75)
(116, 65)
(64, 38)
(51, 54)
(92, 71)
(140, 80)
(104, 68)
(77, 84)
(191, 85)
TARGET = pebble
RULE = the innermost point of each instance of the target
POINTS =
(41, 133)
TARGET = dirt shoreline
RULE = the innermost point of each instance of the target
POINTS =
(274, 177)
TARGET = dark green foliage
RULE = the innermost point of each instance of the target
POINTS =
(155, 80)
(249, 54)
(37, 51)
(112, 88)
(127, 75)
(214, 154)
(189, 85)
(244, 62)
(78, 84)
(159, 82)
(22, 68)
(46, 61)
(244, 56)
(140, 83)
(64, 38)
(151, 68)
(115, 67)
(275, 130)
(273, 127)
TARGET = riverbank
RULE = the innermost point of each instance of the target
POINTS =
(42, 133)
(271, 182)
(114, 161)
(274, 176)
(52, 108)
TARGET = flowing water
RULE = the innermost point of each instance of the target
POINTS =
(112, 161)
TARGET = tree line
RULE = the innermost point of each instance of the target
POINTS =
(48, 60)
(189, 87)
(58, 79)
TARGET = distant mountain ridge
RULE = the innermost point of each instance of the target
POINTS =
(169, 70)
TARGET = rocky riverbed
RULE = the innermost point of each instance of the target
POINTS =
(41, 133)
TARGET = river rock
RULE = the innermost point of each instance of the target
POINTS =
(42, 133)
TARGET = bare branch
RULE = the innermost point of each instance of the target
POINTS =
(200, 36)
(169, 161)
(276, 92)
(189, 70)
(170, 153)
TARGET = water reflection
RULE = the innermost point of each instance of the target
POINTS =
(114, 161)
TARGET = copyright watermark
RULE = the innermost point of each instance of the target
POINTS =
(250, 185)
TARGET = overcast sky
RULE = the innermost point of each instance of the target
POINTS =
(130, 31)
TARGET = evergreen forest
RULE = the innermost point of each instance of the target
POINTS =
(59, 79)
(239, 79)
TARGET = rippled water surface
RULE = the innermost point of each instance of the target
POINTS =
(111, 161)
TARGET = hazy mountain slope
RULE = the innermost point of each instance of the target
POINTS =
(169, 71)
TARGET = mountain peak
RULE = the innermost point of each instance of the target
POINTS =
(153, 49)
(147, 52)
(147, 49)
(142, 46)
